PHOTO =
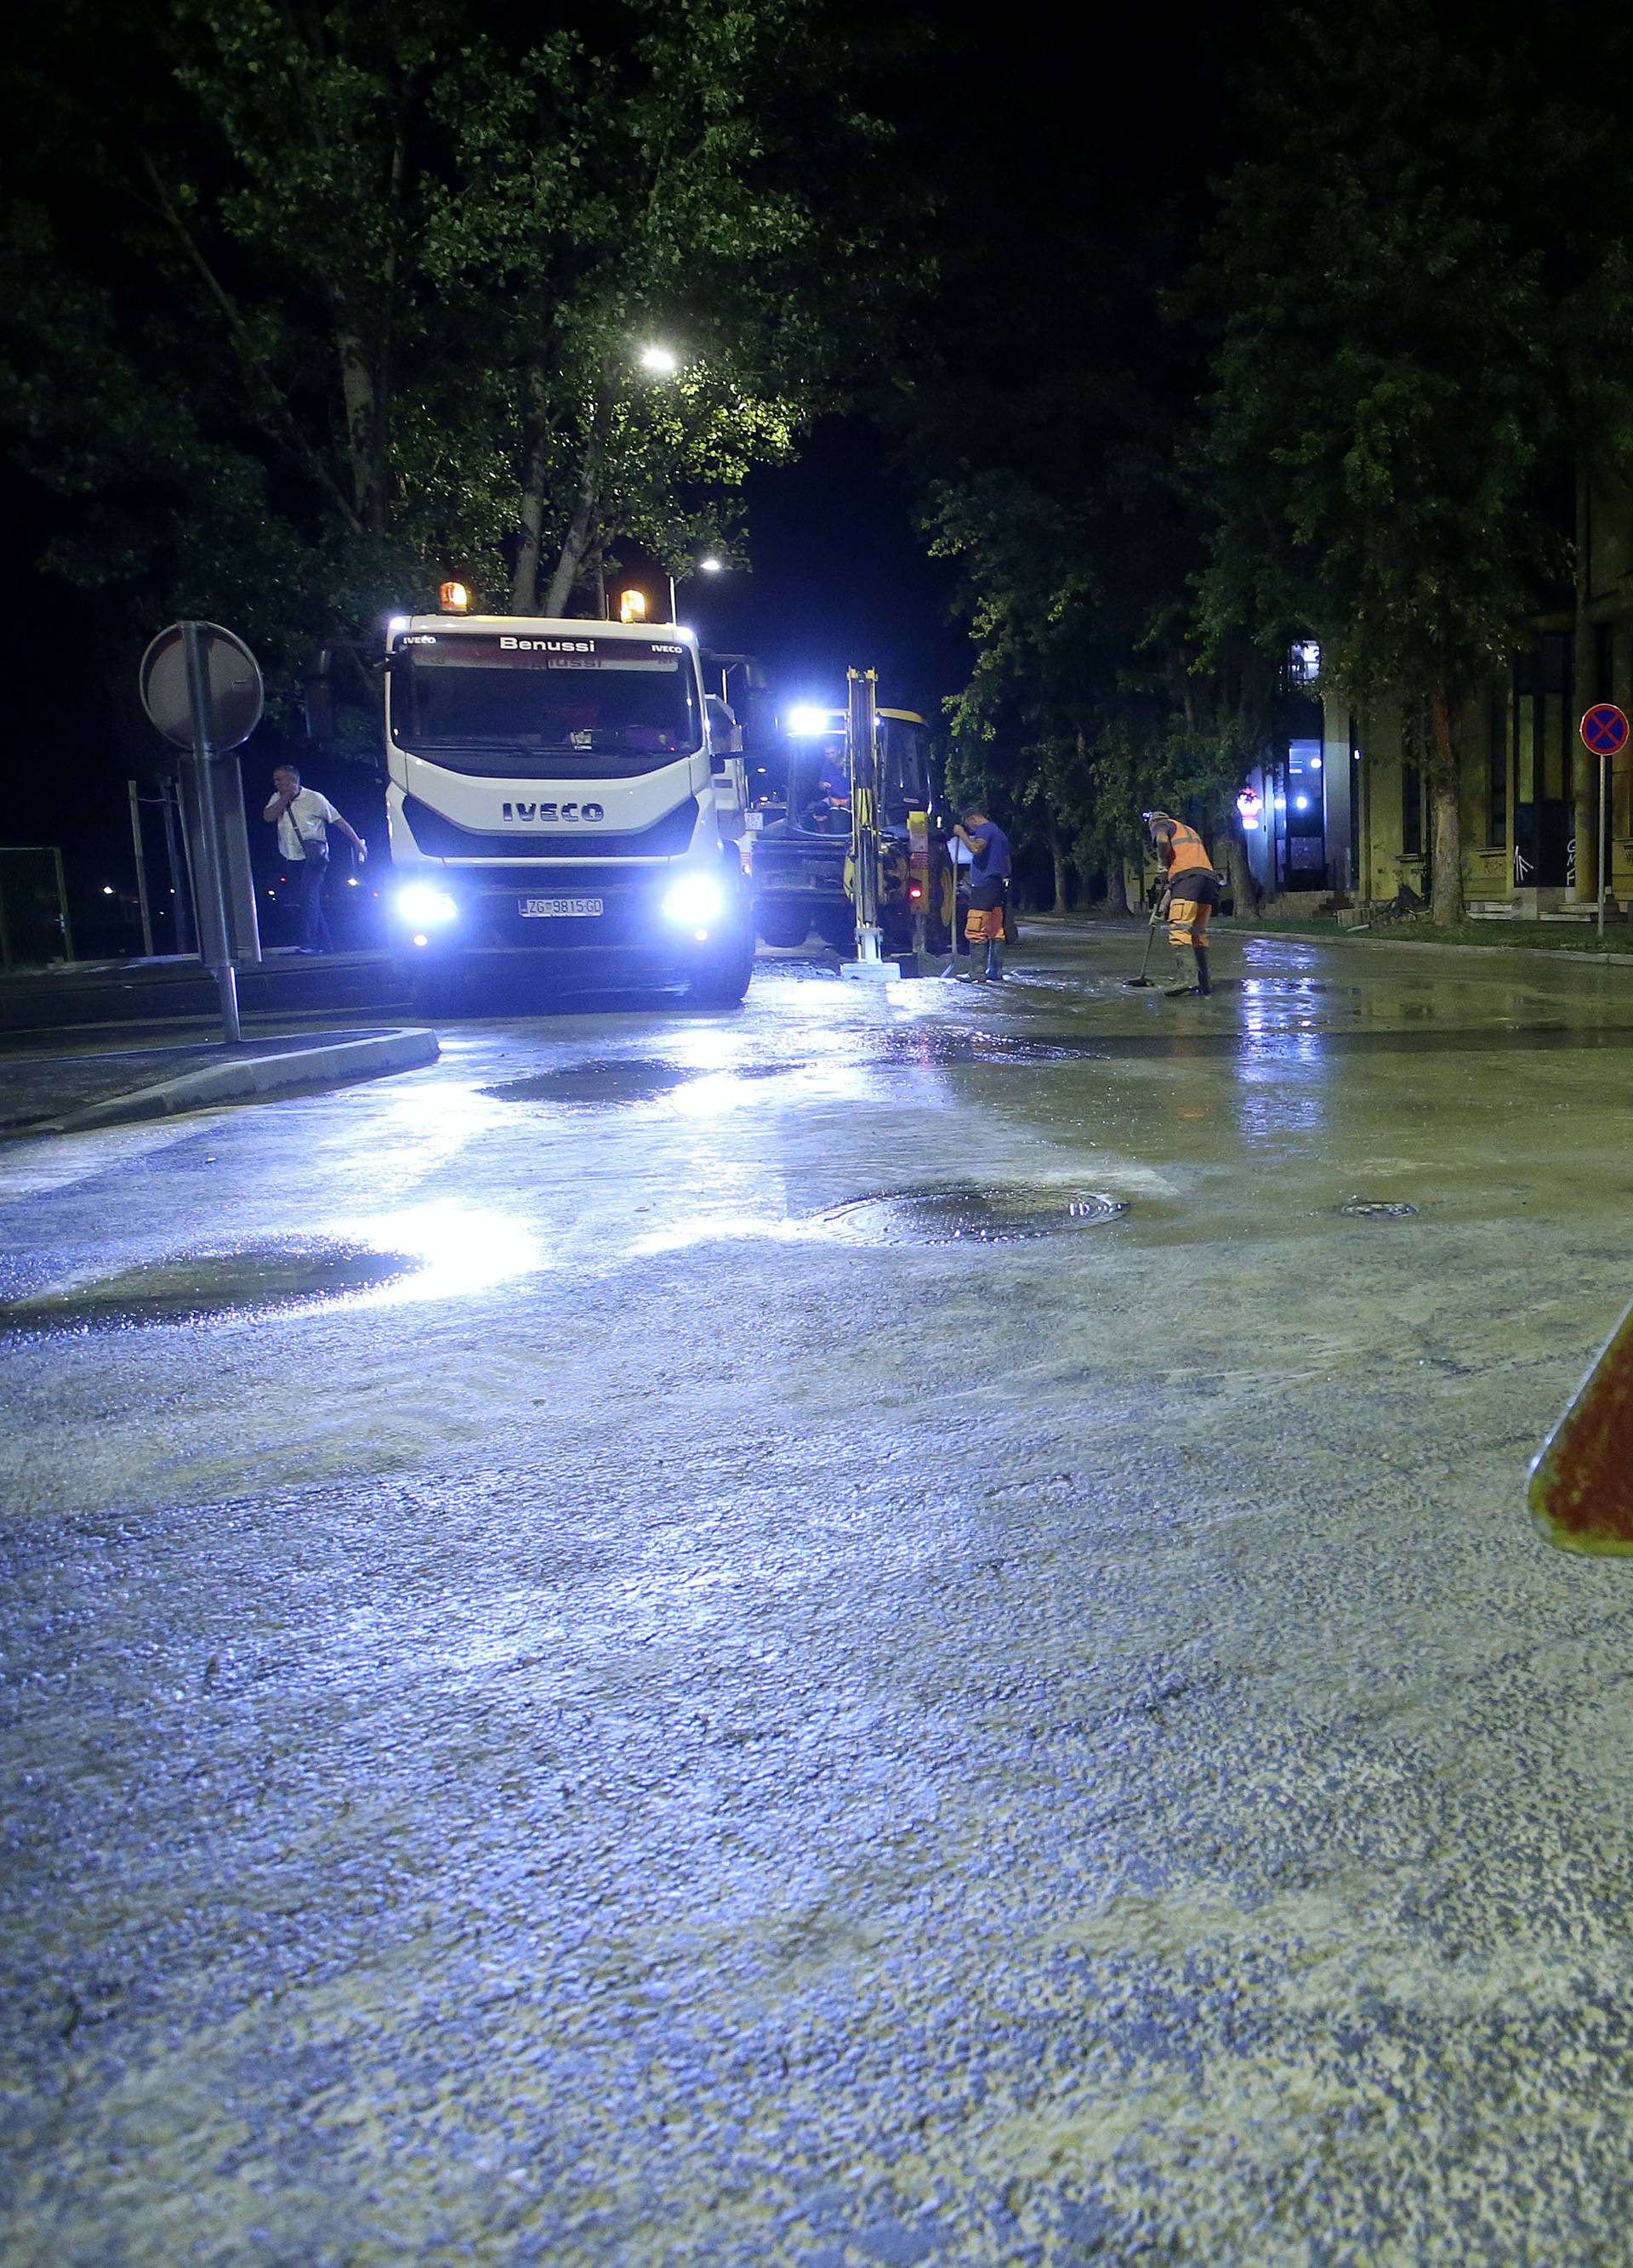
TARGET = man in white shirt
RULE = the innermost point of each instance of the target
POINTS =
(303, 819)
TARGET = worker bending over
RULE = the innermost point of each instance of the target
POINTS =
(1190, 893)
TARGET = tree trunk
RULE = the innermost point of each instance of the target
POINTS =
(364, 439)
(1447, 899)
(581, 530)
(1245, 890)
(1061, 865)
(524, 582)
(1584, 765)
(1117, 886)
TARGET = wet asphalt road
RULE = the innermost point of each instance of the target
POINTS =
(869, 1631)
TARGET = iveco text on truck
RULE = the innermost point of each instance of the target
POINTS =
(561, 800)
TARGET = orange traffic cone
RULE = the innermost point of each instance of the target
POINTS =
(1581, 1491)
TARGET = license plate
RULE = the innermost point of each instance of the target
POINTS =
(560, 908)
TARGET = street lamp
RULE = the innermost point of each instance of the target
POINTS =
(659, 361)
(709, 565)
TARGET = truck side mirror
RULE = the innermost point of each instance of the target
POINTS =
(724, 737)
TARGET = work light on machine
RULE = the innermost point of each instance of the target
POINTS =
(807, 722)
(631, 606)
(454, 599)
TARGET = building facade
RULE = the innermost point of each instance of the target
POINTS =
(1340, 804)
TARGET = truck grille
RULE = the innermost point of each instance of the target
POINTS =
(440, 838)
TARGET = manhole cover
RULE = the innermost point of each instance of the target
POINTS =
(971, 1216)
(200, 1284)
(1375, 1208)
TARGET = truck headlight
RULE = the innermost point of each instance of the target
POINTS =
(695, 898)
(425, 906)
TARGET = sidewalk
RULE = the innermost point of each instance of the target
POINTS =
(129, 991)
(65, 1090)
(1570, 951)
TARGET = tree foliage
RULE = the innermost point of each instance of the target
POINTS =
(308, 304)
(1420, 302)
(1047, 436)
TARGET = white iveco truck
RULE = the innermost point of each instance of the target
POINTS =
(561, 805)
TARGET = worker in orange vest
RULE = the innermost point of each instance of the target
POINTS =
(1190, 893)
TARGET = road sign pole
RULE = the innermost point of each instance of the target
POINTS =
(1604, 731)
(211, 906)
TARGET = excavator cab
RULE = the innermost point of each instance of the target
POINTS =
(801, 845)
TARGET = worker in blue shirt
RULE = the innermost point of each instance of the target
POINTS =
(989, 890)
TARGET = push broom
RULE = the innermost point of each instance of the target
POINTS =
(1142, 983)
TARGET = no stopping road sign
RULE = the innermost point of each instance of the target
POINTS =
(1604, 729)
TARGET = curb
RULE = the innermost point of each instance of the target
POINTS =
(1555, 955)
(249, 1078)
(1229, 926)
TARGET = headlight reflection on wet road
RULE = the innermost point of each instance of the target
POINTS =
(459, 1249)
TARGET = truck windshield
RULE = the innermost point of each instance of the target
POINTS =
(519, 698)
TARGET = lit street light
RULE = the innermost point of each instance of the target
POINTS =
(660, 361)
(710, 564)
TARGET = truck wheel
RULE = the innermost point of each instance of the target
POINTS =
(724, 983)
(782, 927)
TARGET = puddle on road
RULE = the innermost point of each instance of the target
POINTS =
(609, 1081)
(931, 1046)
(615, 1080)
(1011, 1213)
(619, 1078)
(193, 1289)
(1375, 1208)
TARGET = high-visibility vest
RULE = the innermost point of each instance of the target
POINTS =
(1186, 852)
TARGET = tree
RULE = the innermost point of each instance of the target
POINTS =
(1045, 436)
(312, 303)
(1403, 348)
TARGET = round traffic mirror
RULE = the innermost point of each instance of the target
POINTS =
(230, 672)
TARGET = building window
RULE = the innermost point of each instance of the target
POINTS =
(1304, 662)
(1412, 810)
(1497, 773)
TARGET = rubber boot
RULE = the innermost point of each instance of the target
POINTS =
(995, 961)
(974, 974)
(1204, 983)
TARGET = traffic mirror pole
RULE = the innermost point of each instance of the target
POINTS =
(211, 906)
(143, 907)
